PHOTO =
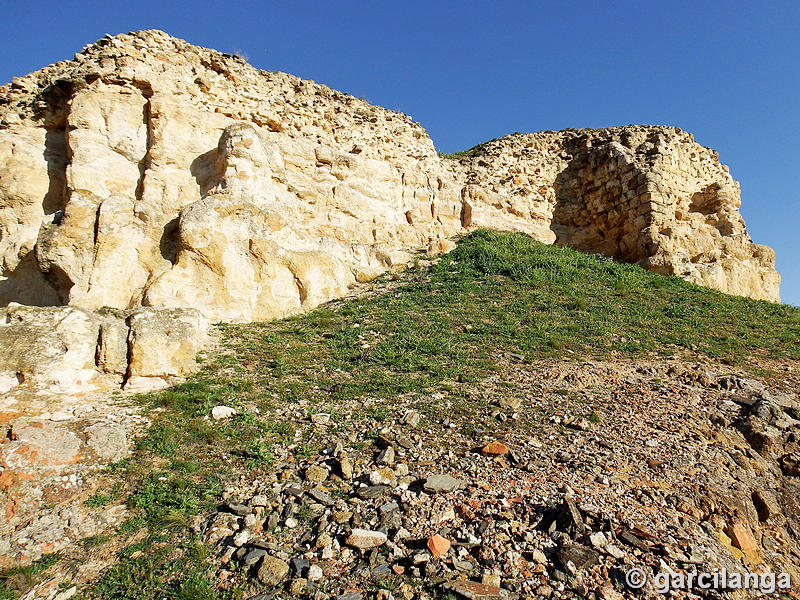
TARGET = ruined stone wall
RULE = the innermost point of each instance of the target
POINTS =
(148, 171)
(642, 194)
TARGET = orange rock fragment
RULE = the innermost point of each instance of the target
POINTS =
(742, 538)
(495, 448)
(465, 512)
(438, 545)
(10, 477)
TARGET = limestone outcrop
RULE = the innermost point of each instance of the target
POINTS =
(151, 172)
(148, 172)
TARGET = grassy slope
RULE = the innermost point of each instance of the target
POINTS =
(443, 326)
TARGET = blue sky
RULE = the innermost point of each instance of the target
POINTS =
(729, 72)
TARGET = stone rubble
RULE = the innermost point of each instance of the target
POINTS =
(667, 478)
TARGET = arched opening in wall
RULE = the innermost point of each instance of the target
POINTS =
(595, 211)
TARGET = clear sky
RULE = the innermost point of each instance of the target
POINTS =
(729, 72)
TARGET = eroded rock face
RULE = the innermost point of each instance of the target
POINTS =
(178, 176)
(150, 172)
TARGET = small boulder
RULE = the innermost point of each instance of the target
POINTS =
(582, 558)
(345, 467)
(321, 496)
(383, 476)
(272, 571)
(320, 418)
(222, 412)
(316, 474)
(315, 573)
(473, 590)
(365, 539)
(442, 483)
(743, 539)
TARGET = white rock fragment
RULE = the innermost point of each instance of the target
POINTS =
(365, 539)
(222, 412)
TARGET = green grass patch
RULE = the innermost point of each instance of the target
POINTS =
(98, 500)
(475, 150)
(501, 293)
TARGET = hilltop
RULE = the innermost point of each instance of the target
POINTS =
(154, 187)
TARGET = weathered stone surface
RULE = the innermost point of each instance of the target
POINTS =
(743, 539)
(38, 443)
(222, 412)
(69, 348)
(56, 345)
(272, 571)
(316, 474)
(473, 590)
(163, 343)
(442, 483)
(151, 172)
(248, 195)
(582, 558)
(108, 441)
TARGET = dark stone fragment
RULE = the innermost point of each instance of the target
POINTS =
(381, 571)
(320, 496)
(373, 491)
(633, 540)
(253, 556)
(238, 509)
(299, 566)
(582, 558)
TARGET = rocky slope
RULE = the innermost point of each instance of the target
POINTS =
(149, 187)
(514, 420)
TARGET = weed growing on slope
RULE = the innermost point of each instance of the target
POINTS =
(17, 579)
